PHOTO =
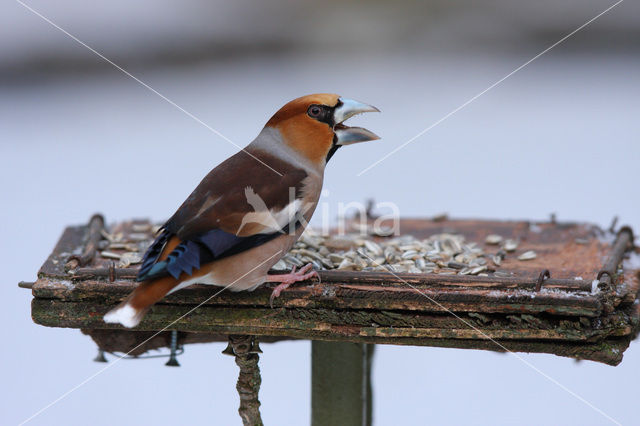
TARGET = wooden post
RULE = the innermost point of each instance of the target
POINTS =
(341, 383)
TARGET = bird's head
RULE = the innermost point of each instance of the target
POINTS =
(313, 125)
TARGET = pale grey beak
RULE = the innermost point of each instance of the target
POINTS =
(350, 135)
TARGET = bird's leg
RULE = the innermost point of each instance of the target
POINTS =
(287, 279)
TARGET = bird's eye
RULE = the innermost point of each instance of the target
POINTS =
(314, 111)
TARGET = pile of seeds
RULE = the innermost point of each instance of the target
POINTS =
(446, 254)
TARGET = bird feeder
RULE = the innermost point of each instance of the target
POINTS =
(568, 289)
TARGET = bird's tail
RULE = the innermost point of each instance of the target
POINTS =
(126, 314)
(130, 312)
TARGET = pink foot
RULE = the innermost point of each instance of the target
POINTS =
(287, 279)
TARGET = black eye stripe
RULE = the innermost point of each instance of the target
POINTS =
(321, 113)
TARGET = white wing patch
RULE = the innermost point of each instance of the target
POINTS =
(273, 220)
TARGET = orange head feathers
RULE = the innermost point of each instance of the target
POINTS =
(312, 125)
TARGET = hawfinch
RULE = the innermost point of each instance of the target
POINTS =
(248, 212)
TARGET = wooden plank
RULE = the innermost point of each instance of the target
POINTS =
(608, 350)
(311, 323)
(422, 298)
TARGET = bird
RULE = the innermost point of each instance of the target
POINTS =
(248, 211)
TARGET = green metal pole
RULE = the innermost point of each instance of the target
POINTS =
(341, 383)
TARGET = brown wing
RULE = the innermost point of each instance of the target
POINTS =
(220, 202)
(206, 226)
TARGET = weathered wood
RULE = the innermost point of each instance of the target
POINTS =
(396, 279)
(417, 297)
(311, 323)
(96, 224)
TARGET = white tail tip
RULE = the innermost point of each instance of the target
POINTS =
(125, 315)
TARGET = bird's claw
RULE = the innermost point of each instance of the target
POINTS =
(293, 277)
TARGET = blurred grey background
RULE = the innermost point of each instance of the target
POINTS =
(78, 136)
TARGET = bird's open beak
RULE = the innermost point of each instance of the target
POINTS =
(349, 135)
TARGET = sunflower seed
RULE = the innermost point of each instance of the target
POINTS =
(311, 254)
(373, 247)
(478, 269)
(124, 246)
(293, 260)
(465, 271)
(389, 254)
(478, 261)
(510, 245)
(409, 254)
(110, 255)
(347, 265)
(326, 263)
(456, 265)
(527, 255)
(493, 239)
(129, 258)
(132, 257)
(378, 261)
(280, 265)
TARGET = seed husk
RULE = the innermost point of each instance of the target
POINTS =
(493, 239)
(347, 265)
(528, 255)
(510, 245)
(373, 247)
(280, 265)
(456, 265)
(110, 255)
(478, 269)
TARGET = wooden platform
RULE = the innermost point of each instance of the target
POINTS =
(574, 299)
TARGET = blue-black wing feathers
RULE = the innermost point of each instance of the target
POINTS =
(153, 252)
(192, 254)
